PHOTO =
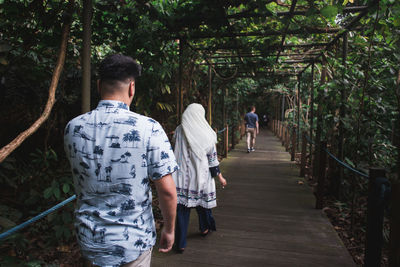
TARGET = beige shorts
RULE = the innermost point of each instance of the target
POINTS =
(144, 260)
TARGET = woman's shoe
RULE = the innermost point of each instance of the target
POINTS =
(180, 250)
(205, 232)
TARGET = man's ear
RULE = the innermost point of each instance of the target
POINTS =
(132, 89)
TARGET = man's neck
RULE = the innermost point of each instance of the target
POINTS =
(117, 98)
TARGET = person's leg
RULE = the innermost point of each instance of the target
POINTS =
(248, 138)
(182, 223)
(206, 220)
(144, 260)
(252, 133)
(254, 138)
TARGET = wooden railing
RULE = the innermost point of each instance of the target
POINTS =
(380, 193)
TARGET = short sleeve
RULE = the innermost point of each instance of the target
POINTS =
(160, 157)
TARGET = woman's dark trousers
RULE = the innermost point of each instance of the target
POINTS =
(206, 221)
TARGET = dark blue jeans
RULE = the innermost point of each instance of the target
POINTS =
(206, 221)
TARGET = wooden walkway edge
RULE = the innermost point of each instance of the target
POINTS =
(265, 217)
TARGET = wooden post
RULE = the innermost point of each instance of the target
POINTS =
(283, 135)
(342, 112)
(273, 126)
(311, 111)
(233, 142)
(277, 129)
(86, 73)
(394, 239)
(298, 109)
(303, 155)
(321, 175)
(226, 142)
(283, 108)
(180, 97)
(293, 151)
(280, 130)
(319, 119)
(209, 96)
(287, 141)
(375, 214)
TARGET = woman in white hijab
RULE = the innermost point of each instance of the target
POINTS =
(196, 155)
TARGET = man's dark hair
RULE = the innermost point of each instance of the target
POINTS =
(118, 68)
(252, 107)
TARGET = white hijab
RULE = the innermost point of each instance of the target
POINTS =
(200, 136)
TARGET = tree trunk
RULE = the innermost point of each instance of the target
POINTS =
(86, 74)
(6, 150)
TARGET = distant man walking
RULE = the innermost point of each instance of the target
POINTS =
(252, 128)
(113, 152)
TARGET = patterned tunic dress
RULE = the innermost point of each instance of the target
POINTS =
(194, 183)
(113, 152)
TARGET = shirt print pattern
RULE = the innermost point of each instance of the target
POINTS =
(113, 152)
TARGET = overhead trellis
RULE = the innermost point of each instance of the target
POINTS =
(259, 35)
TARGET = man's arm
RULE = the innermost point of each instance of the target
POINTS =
(167, 197)
(257, 127)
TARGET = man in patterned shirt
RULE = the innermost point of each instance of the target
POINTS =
(113, 152)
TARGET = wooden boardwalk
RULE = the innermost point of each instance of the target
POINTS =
(265, 217)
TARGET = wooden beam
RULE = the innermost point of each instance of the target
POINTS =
(347, 28)
(267, 48)
(261, 55)
(266, 33)
(353, 9)
(290, 15)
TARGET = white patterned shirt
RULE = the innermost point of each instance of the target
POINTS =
(113, 152)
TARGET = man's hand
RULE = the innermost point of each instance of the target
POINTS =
(166, 241)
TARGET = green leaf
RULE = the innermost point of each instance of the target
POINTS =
(329, 11)
(47, 192)
(57, 192)
(66, 188)
(396, 22)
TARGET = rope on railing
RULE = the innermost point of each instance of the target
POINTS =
(346, 165)
(221, 131)
(36, 218)
(339, 161)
